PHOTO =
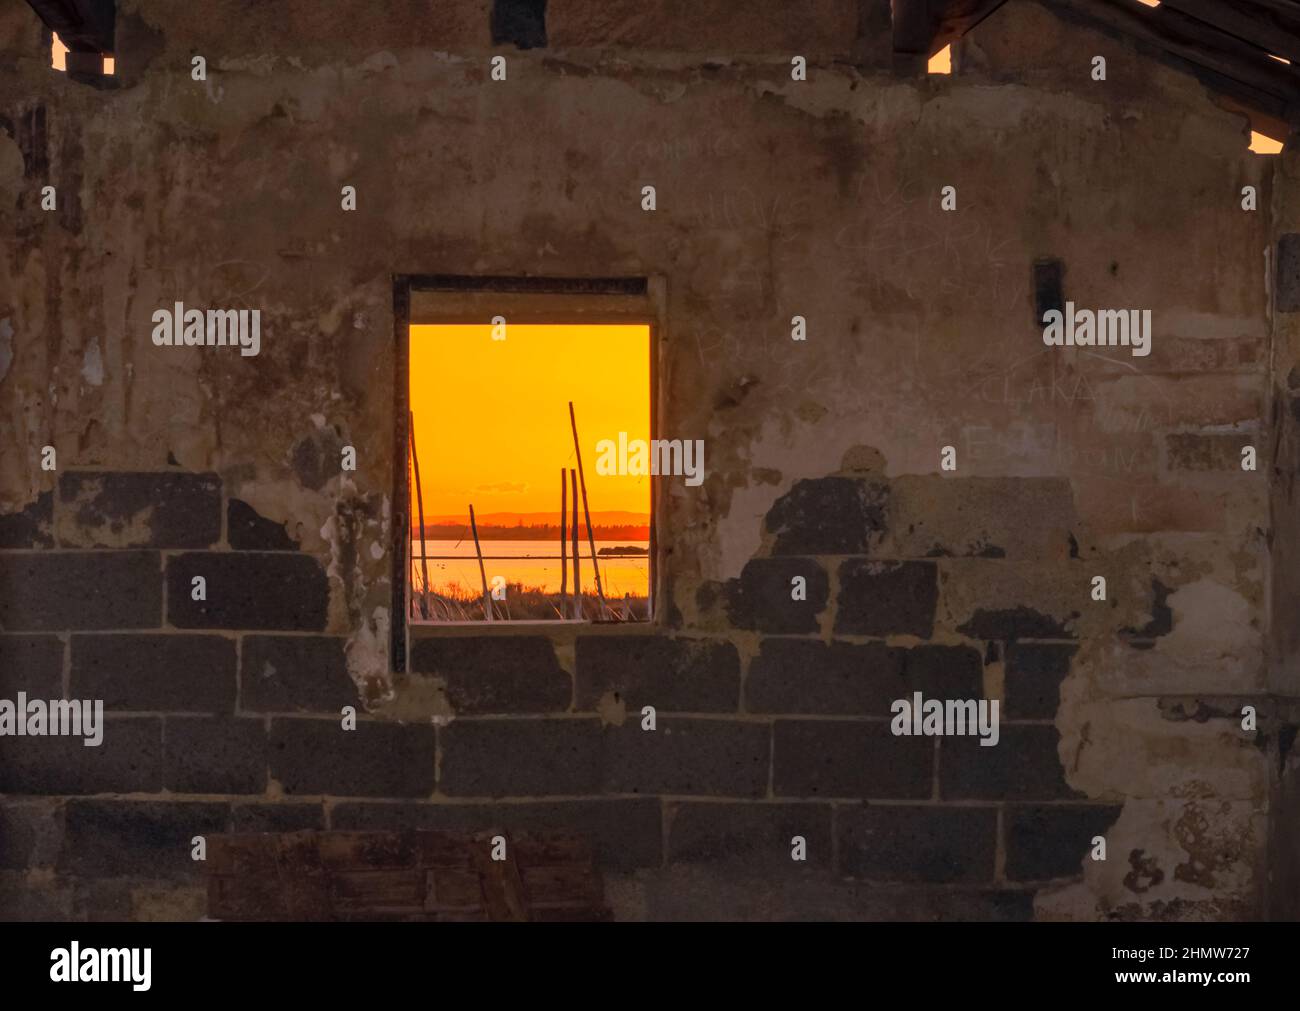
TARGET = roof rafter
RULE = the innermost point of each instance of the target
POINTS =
(923, 26)
(1253, 25)
(84, 26)
(1226, 63)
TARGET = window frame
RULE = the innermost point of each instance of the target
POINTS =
(433, 299)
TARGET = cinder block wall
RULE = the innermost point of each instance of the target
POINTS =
(1120, 718)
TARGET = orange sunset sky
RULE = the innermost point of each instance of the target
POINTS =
(492, 417)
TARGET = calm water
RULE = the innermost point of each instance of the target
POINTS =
(617, 575)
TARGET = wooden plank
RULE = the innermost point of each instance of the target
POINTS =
(959, 17)
(387, 891)
(914, 25)
(1228, 54)
(478, 550)
(259, 853)
(453, 916)
(83, 63)
(573, 914)
(269, 897)
(1257, 87)
(1255, 29)
(443, 849)
(402, 876)
(86, 26)
(560, 885)
(368, 849)
(564, 561)
(503, 892)
(577, 565)
(452, 889)
(400, 544)
(586, 512)
(1288, 9)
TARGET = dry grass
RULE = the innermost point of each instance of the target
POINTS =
(455, 602)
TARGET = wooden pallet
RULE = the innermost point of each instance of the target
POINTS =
(418, 876)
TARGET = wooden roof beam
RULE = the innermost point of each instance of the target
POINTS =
(84, 26)
(960, 16)
(1258, 30)
(1220, 61)
(923, 27)
(915, 24)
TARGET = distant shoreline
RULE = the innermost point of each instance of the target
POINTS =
(458, 531)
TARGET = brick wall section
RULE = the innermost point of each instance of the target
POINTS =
(224, 713)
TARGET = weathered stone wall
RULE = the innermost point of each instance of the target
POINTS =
(775, 198)
(1284, 631)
